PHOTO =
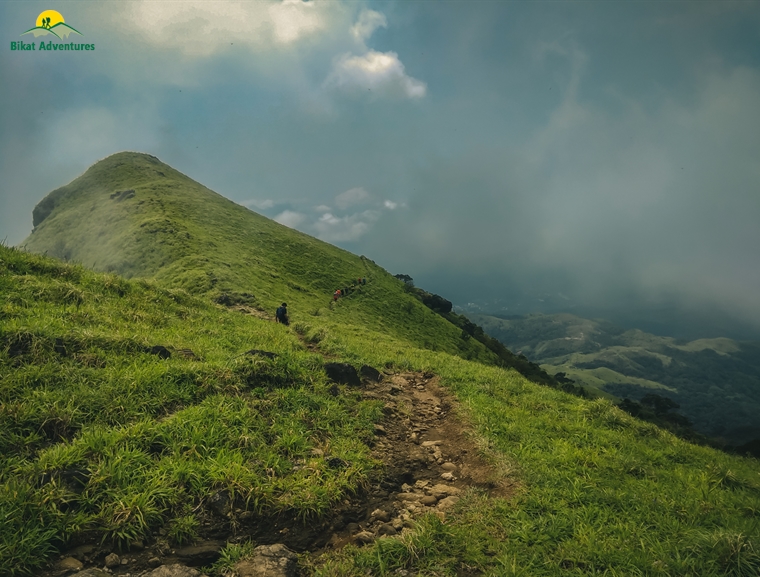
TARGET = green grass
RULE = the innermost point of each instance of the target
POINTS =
(101, 439)
(601, 493)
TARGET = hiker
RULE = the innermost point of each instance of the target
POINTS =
(364, 280)
(336, 295)
(281, 316)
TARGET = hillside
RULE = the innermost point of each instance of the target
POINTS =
(716, 382)
(135, 216)
(144, 415)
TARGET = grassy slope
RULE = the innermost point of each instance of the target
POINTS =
(600, 491)
(716, 381)
(100, 437)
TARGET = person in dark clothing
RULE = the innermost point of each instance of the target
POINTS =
(281, 316)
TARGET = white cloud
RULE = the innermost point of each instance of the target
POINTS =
(331, 228)
(202, 28)
(390, 205)
(352, 197)
(294, 19)
(322, 208)
(368, 22)
(381, 73)
(256, 203)
(290, 218)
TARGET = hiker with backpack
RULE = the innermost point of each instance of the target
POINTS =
(281, 316)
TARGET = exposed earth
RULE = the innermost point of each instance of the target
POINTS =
(430, 459)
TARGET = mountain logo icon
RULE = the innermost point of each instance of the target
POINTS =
(50, 22)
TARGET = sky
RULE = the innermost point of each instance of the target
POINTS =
(596, 155)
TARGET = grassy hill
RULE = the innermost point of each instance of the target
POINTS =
(135, 216)
(128, 405)
(715, 381)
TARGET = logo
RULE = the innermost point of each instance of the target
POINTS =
(51, 23)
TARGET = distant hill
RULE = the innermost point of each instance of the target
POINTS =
(716, 382)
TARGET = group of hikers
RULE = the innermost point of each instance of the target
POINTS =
(281, 316)
(347, 289)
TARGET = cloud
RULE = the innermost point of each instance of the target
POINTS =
(349, 228)
(390, 205)
(368, 22)
(352, 197)
(381, 73)
(609, 201)
(201, 29)
(256, 203)
(290, 218)
(294, 19)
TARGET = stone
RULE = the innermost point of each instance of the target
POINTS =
(112, 560)
(395, 390)
(442, 491)
(125, 561)
(370, 374)
(82, 551)
(428, 500)
(380, 430)
(342, 373)
(448, 466)
(447, 503)
(203, 554)
(219, 503)
(381, 515)
(172, 571)
(93, 572)
(269, 561)
(408, 497)
(364, 537)
(397, 523)
(387, 529)
(431, 443)
(448, 476)
(69, 564)
(154, 562)
(421, 484)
